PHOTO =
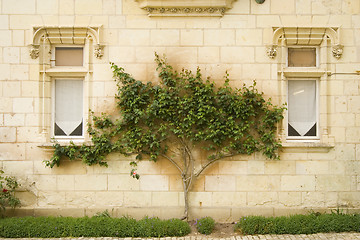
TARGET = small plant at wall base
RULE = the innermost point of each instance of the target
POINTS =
(8, 186)
(177, 117)
(205, 225)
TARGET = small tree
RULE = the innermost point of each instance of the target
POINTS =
(177, 116)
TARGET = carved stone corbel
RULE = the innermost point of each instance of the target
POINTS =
(271, 51)
(99, 51)
(34, 51)
(337, 51)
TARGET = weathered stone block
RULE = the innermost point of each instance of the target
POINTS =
(14, 119)
(200, 199)
(312, 167)
(122, 182)
(109, 199)
(12, 89)
(88, 7)
(154, 183)
(280, 167)
(298, 183)
(333, 183)
(237, 54)
(79, 199)
(165, 199)
(220, 199)
(233, 167)
(257, 183)
(165, 37)
(221, 183)
(137, 199)
(190, 37)
(5, 38)
(11, 55)
(8, 134)
(65, 182)
(90, 182)
(18, 7)
(219, 37)
(262, 198)
(249, 37)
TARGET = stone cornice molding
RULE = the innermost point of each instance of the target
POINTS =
(213, 8)
(65, 35)
(305, 36)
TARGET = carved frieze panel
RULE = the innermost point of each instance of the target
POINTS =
(216, 8)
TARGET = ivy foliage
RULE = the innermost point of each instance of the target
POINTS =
(181, 107)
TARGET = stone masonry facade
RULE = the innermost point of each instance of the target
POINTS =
(247, 39)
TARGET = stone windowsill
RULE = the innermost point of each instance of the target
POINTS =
(316, 147)
(303, 72)
(49, 145)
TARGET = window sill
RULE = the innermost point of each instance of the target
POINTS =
(74, 71)
(313, 147)
(50, 145)
(303, 72)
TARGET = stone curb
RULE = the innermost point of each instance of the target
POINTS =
(320, 236)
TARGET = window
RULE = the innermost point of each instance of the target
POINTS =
(302, 109)
(68, 108)
(65, 78)
(304, 65)
(69, 56)
(302, 94)
(68, 97)
(302, 57)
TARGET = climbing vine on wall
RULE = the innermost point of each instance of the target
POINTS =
(175, 118)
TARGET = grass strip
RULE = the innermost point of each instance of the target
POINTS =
(59, 227)
(299, 224)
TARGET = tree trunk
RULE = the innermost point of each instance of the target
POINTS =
(186, 200)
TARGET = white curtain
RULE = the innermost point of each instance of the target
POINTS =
(68, 104)
(302, 105)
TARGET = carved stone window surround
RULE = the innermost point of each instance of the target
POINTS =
(212, 8)
(305, 36)
(65, 35)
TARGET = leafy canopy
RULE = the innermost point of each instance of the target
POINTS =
(181, 108)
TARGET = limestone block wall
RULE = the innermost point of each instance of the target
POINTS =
(310, 175)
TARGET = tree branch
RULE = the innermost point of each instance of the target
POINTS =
(212, 161)
(173, 162)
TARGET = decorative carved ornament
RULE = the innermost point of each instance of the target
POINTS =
(216, 8)
(65, 35)
(305, 36)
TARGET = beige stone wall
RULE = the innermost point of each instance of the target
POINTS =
(308, 177)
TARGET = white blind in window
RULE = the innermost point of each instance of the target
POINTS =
(68, 104)
(302, 105)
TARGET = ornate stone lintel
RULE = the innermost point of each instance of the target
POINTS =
(337, 51)
(34, 51)
(183, 11)
(271, 51)
(214, 8)
(99, 51)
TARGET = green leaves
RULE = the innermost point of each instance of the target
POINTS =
(8, 185)
(221, 120)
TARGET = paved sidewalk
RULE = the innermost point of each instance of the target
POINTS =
(320, 236)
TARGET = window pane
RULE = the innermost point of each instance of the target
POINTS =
(68, 107)
(302, 57)
(302, 108)
(68, 56)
